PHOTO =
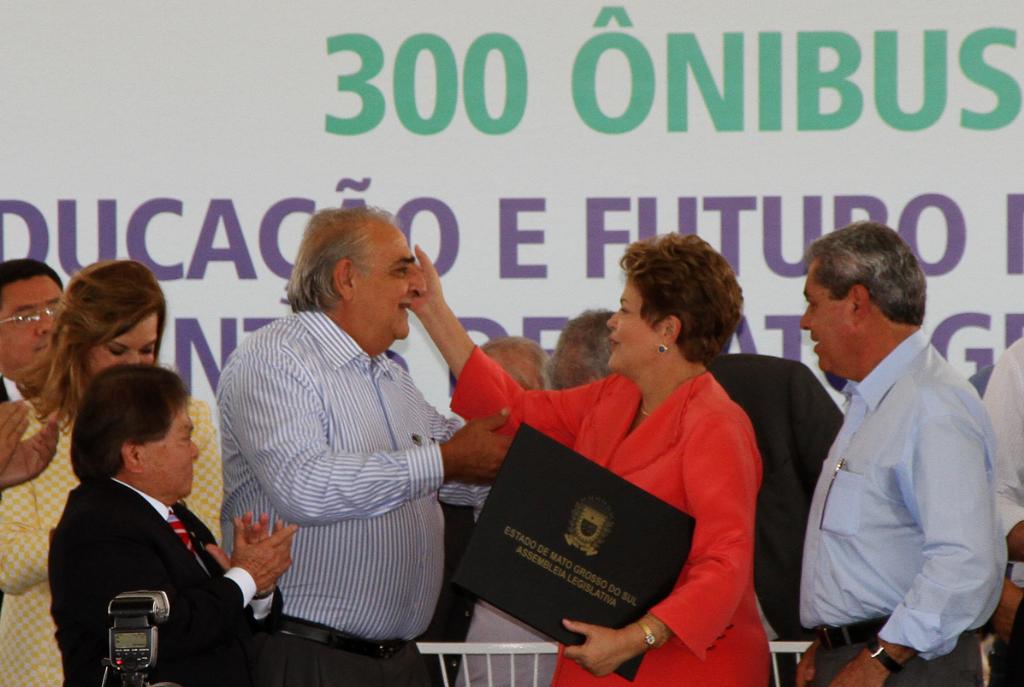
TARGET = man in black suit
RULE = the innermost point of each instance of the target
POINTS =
(795, 421)
(132, 450)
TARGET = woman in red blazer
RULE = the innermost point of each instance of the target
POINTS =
(661, 421)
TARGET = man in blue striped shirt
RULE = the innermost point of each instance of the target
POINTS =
(320, 428)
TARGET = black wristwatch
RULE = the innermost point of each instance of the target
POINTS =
(878, 653)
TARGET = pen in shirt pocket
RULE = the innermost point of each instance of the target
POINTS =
(835, 473)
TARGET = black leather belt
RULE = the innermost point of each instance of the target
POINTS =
(832, 637)
(322, 634)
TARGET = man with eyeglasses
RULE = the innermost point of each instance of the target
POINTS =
(29, 293)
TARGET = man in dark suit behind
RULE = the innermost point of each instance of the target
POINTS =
(132, 450)
(795, 421)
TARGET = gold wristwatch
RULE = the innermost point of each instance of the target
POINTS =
(649, 639)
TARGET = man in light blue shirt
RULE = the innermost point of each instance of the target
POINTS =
(903, 554)
(320, 428)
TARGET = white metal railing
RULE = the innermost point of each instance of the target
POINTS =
(792, 649)
(489, 650)
(538, 649)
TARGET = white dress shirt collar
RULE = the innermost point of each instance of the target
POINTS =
(12, 390)
(162, 508)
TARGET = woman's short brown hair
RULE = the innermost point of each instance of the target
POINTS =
(102, 302)
(682, 275)
(124, 403)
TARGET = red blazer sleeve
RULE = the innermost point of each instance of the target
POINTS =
(484, 388)
(721, 473)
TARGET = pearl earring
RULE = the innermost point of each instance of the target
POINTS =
(662, 348)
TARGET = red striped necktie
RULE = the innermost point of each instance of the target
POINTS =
(179, 529)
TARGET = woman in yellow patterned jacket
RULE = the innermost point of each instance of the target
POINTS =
(112, 313)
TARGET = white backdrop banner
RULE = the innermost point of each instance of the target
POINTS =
(523, 145)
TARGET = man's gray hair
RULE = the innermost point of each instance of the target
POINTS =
(874, 256)
(330, 236)
(528, 350)
(582, 352)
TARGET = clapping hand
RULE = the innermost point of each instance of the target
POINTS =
(252, 533)
(263, 554)
(22, 460)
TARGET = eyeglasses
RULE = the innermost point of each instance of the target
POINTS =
(48, 311)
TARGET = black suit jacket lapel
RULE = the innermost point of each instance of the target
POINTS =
(162, 529)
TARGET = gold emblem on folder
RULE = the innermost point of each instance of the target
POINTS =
(589, 525)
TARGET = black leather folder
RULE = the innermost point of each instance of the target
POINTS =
(562, 537)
